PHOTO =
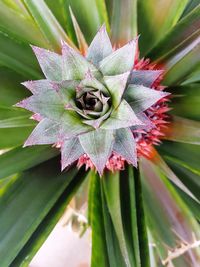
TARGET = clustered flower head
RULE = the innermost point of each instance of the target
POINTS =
(102, 109)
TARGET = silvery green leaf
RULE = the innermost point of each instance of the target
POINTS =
(46, 132)
(122, 117)
(100, 47)
(125, 145)
(50, 63)
(71, 125)
(98, 146)
(141, 98)
(120, 61)
(71, 150)
(116, 85)
(144, 77)
(67, 91)
(47, 104)
(74, 65)
(39, 86)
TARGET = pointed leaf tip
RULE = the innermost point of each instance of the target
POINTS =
(98, 146)
(141, 98)
(46, 132)
(125, 145)
(119, 61)
(74, 65)
(50, 63)
(100, 46)
(71, 150)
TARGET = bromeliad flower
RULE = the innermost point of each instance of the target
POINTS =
(102, 109)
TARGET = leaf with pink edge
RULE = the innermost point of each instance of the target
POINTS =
(50, 63)
(141, 98)
(46, 132)
(125, 145)
(71, 150)
(40, 86)
(47, 104)
(100, 47)
(144, 77)
(75, 66)
(120, 61)
(98, 146)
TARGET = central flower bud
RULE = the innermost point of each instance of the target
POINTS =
(94, 103)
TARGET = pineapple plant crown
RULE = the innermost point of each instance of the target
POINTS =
(90, 105)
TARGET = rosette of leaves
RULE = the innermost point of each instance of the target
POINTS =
(140, 217)
(90, 104)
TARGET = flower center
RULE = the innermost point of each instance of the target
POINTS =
(93, 102)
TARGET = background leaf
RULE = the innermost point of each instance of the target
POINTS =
(123, 21)
(155, 18)
(26, 206)
(48, 24)
(99, 251)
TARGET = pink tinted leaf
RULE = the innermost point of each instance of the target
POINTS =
(39, 86)
(125, 145)
(75, 66)
(141, 98)
(50, 63)
(120, 61)
(144, 77)
(71, 150)
(46, 132)
(100, 47)
(98, 146)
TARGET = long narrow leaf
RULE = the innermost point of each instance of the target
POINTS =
(19, 57)
(21, 159)
(47, 225)
(47, 23)
(99, 251)
(111, 185)
(28, 200)
(155, 18)
(124, 21)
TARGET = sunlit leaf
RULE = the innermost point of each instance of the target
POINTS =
(155, 18)
(47, 23)
(15, 20)
(177, 38)
(123, 21)
(27, 206)
(169, 219)
(184, 130)
(18, 57)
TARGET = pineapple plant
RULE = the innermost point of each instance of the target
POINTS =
(112, 109)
